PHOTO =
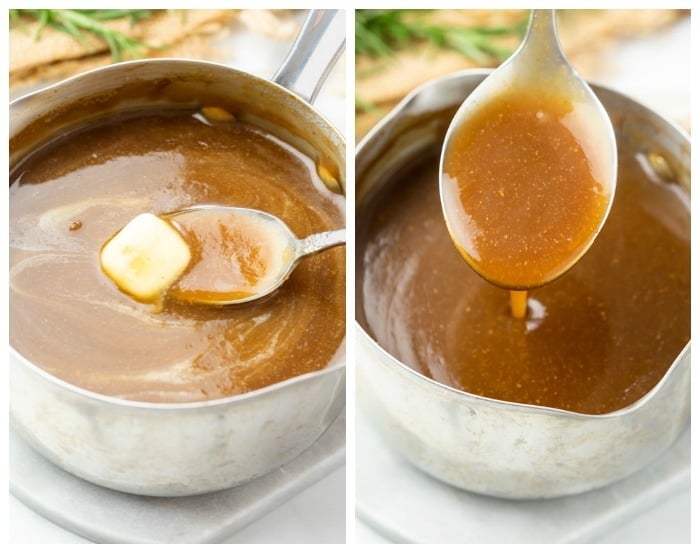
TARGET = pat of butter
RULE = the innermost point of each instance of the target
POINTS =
(146, 257)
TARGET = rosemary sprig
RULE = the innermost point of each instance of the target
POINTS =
(81, 23)
(379, 33)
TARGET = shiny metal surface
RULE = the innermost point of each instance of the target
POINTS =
(321, 42)
(183, 449)
(493, 447)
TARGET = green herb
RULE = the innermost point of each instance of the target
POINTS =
(82, 23)
(379, 33)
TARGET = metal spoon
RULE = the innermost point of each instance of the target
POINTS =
(276, 240)
(539, 64)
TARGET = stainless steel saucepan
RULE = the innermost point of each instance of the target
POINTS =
(191, 448)
(496, 447)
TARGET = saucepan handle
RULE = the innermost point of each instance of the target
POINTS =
(320, 43)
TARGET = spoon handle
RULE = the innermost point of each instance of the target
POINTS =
(321, 241)
(541, 39)
(319, 45)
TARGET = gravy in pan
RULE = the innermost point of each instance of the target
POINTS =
(593, 341)
(67, 317)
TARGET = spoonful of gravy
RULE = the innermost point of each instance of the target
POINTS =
(528, 168)
(207, 254)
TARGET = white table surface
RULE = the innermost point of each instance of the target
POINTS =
(317, 514)
(665, 523)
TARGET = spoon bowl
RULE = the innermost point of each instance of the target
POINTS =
(537, 73)
(257, 250)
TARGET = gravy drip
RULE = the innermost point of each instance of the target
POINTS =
(595, 340)
(67, 317)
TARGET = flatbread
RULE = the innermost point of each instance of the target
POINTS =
(168, 33)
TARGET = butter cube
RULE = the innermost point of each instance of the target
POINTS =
(146, 257)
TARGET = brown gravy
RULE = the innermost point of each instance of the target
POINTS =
(593, 341)
(234, 256)
(520, 193)
(66, 316)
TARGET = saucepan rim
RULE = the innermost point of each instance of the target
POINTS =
(460, 395)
